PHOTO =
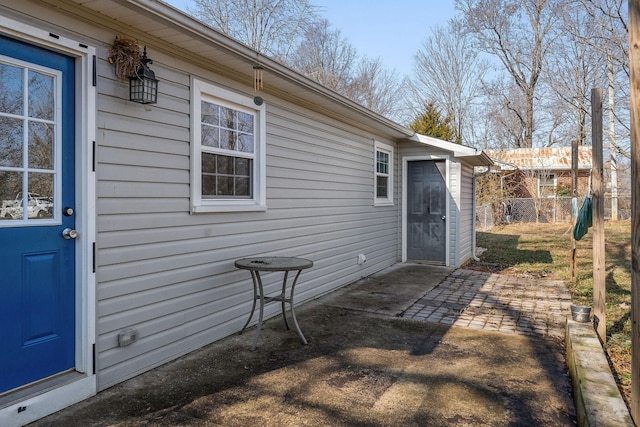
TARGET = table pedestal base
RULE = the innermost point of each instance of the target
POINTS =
(258, 295)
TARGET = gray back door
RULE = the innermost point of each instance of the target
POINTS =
(426, 211)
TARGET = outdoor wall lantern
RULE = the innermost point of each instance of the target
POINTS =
(143, 85)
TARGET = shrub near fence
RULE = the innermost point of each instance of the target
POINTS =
(551, 210)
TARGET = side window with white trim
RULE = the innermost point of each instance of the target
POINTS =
(546, 184)
(383, 194)
(228, 151)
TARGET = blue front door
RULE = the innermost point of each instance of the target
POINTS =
(37, 263)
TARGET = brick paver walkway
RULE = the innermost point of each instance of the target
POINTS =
(495, 302)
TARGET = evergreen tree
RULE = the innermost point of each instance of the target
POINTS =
(431, 123)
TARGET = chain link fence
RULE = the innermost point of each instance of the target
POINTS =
(545, 210)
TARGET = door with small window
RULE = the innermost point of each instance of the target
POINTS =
(37, 218)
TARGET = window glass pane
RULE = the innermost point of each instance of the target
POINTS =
(546, 185)
(41, 96)
(210, 113)
(40, 145)
(243, 166)
(225, 165)
(227, 139)
(209, 163)
(225, 186)
(10, 141)
(11, 100)
(242, 187)
(245, 143)
(382, 162)
(10, 195)
(208, 186)
(547, 181)
(227, 117)
(210, 136)
(382, 187)
(244, 122)
(40, 204)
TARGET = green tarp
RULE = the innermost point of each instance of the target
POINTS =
(583, 220)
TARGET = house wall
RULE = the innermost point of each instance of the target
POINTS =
(528, 181)
(169, 273)
(453, 218)
(466, 215)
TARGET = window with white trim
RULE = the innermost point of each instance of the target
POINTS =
(228, 150)
(546, 184)
(383, 174)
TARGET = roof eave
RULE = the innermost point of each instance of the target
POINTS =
(470, 155)
(280, 77)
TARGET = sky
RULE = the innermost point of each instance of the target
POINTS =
(391, 30)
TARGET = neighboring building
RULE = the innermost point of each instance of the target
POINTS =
(164, 197)
(541, 175)
(544, 172)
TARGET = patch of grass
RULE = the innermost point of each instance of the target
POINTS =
(544, 250)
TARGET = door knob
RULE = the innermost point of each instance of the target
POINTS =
(444, 217)
(68, 233)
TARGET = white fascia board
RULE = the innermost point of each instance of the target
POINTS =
(457, 150)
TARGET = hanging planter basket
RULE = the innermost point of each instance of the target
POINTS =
(126, 54)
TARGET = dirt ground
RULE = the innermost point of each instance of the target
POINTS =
(363, 366)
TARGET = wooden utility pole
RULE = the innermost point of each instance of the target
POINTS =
(574, 195)
(613, 152)
(634, 67)
(597, 196)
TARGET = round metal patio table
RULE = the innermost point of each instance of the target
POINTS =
(273, 264)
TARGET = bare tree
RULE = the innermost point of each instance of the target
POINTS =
(531, 181)
(609, 20)
(518, 33)
(506, 113)
(492, 191)
(449, 71)
(325, 56)
(574, 68)
(328, 58)
(376, 88)
(272, 27)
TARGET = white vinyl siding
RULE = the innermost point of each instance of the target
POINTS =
(453, 219)
(466, 215)
(170, 274)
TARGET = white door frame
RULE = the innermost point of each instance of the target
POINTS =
(33, 406)
(405, 166)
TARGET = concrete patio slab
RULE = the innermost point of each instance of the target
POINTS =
(364, 366)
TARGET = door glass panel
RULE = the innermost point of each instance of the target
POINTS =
(40, 145)
(29, 167)
(41, 99)
(40, 204)
(10, 142)
(10, 199)
(11, 99)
